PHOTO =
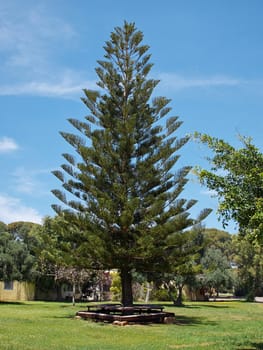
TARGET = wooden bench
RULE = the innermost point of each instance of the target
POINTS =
(137, 313)
(125, 310)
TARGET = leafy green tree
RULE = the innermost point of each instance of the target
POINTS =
(3, 227)
(20, 229)
(219, 239)
(122, 201)
(25, 232)
(16, 262)
(248, 258)
(183, 264)
(18, 251)
(217, 273)
(61, 246)
(236, 176)
(59, 258)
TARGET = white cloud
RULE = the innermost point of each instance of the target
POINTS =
(65, 88)
(31, 40)
(30, 181)
(210, 193)
(24, 181)
(71, 84)
(7, 145)
(11, 209)
(29, 35)
(178, 82)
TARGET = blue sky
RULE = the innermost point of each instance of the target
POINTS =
(207, 54)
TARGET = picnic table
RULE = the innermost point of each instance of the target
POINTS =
(125, 310)
(138, 313)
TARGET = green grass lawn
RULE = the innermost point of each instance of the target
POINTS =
(52, 326)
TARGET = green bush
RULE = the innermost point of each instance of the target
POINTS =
(160, 295)
(115, 288)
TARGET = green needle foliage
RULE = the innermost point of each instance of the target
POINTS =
(122, 202)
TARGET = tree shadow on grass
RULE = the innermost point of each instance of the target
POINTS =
(12, 303)
(64, 306)
(252, 346)
(219, 306)
(69, 317)
(179, 321)
(192, 321)
(197, 306)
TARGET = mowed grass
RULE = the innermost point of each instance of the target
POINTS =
(52, 326)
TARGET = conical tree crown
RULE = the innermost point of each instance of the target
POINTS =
(123, 187)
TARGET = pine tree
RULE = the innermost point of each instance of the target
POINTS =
(122, 188)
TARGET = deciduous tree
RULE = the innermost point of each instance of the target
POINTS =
(236, 176)
(249, 271)
(217, 273)
(16, 262)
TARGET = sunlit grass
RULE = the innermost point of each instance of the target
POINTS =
(52, 326)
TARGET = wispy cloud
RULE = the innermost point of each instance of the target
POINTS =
(30, 182)
(31, 35)
(7, 145)
(210, 193)
(24, 181)
(65, 88)
(178, 82)
(11, 209)
(71, 86)
(31, 42)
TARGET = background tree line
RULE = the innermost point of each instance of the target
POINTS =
(220, 262)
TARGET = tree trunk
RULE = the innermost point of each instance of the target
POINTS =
(73, 293)
(179, 300)
(148, 292)
(168, 287)
(126, 287)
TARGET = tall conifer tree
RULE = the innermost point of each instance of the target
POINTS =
(126, 208)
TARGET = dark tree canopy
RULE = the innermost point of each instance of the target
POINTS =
(122, 190)
(16, 261)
